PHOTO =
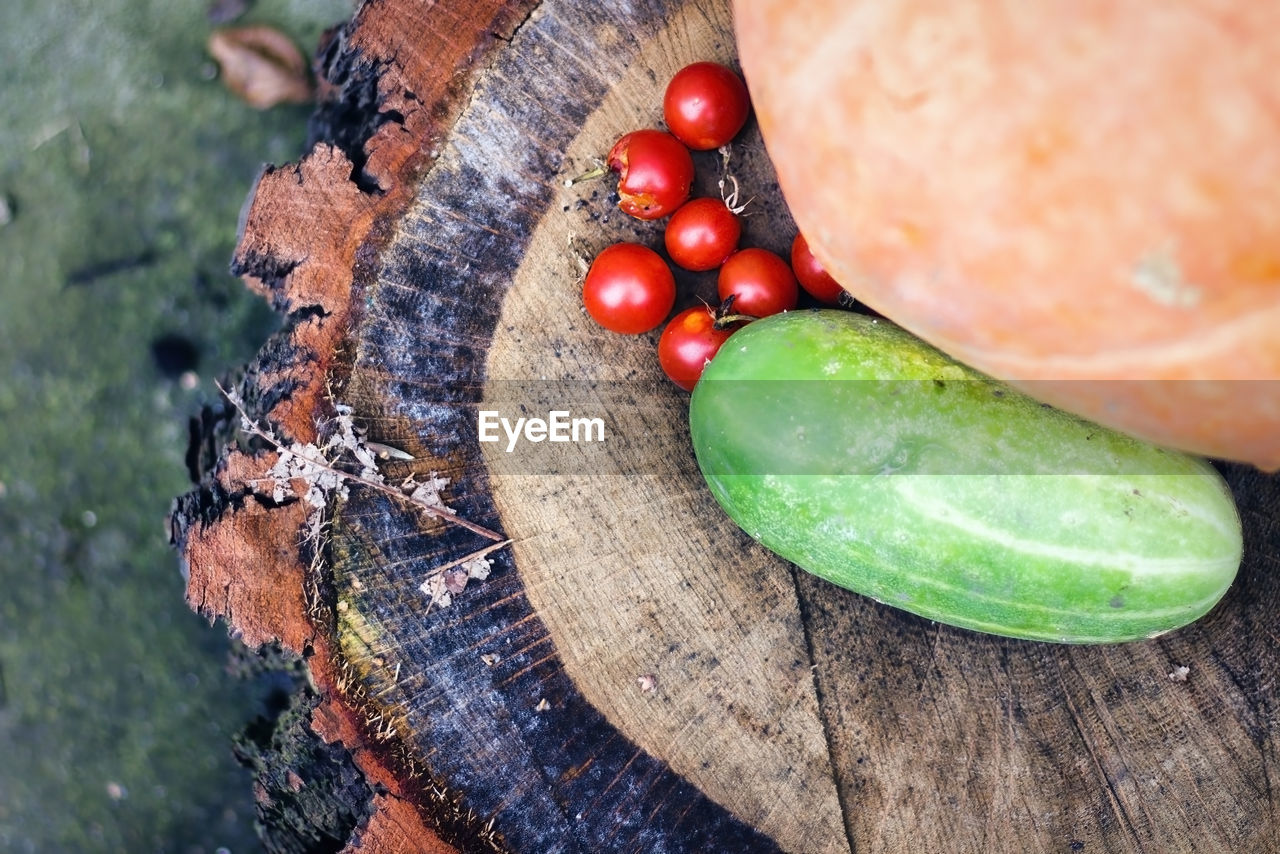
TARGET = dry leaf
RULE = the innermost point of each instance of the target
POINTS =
(428, 493)
(455, 580)
(648, 682)
(261, 65)
(434, 588)
(478, 568)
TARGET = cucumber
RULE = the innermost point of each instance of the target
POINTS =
(870, 459)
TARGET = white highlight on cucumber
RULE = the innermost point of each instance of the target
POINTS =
(1136, 565)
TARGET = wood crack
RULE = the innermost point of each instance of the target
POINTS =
(825, 713)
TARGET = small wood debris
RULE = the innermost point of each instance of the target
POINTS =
(491, 659)
(542, 706)
(1179, 674)
(387, 452)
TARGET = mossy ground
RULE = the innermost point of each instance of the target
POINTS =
(123, 163)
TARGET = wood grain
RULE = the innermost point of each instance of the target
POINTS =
(775, 712)
(650, 579)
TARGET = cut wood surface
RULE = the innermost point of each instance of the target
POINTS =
(635, 674)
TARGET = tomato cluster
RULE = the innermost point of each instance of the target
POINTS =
(630, 289)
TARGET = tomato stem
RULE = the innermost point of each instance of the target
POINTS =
(731, 319)
(724, 316)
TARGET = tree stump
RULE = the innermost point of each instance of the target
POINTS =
(635, 674)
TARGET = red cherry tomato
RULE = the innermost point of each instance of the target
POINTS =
(702, 233)
(813, 277)
(763, 283)
(688, 343)
(629, 289)
(705, 105)
(655, 172)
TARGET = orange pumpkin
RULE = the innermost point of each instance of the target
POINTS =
(1082, 198)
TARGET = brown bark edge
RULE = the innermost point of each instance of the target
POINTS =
(307, 232)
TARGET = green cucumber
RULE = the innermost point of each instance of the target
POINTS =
(870, 459)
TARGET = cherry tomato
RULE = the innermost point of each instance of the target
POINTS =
(763, 283)
(705, 105)
(629, 289)
(654, 170)
(702, 233)
(813, 277)
(688, 343)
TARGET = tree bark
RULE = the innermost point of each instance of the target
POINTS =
(635, 674)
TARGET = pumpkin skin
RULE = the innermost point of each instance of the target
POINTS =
(1080, 198)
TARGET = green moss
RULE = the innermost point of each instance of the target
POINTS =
(125, 164)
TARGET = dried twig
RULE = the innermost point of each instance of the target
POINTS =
(310, 464)
(321, 463)
(478, 553)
